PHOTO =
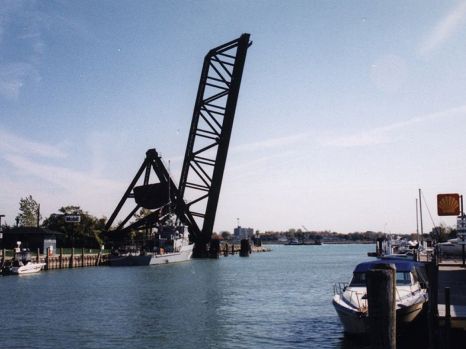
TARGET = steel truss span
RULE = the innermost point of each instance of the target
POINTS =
(211, 126)
(195, 199)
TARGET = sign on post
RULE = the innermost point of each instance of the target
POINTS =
(448, 204)
(72, 218)
(461, 226)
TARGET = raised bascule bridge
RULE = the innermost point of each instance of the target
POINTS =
(194, 201)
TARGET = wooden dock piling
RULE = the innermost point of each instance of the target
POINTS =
(47, 258)
(60, 259)
(245, 248)
(97, 262)
(447, 317)
(214, 248)
(432, 312)
(72, 258)
(64, 261)
(381, 301)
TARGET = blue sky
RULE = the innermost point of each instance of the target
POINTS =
(345, 109)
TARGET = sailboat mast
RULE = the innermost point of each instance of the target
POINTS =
(420, 212)
(417, 222)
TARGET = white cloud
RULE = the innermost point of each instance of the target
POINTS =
(444, 29)
(389, 73)
(68, 179)
(55, 186)
(278, 142)
(23, 172)
(13, 77)
(13, 144)
(381, 135)
(20, 22)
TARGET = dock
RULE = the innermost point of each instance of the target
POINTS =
(80, 258)
(452, 278)
(76, 258)
(447, 303)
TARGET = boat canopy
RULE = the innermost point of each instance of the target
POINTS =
(400, 265)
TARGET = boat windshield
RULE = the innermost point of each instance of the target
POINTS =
(403, 278)
(359, 279)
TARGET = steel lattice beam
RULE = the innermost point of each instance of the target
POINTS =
(153, 162)
(210, 131)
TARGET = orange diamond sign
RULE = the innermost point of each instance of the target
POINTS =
(448, 204)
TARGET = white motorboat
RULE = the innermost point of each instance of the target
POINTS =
(453, 247)
(170, 245)
(350, 300)
(22, 264)
(28, 268)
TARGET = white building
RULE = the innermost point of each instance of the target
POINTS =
(243, 233)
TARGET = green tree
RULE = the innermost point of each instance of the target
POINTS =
(29, 215)
(86, 233)
(442, 233)
(226, 235)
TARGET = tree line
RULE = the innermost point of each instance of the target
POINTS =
(85, 233)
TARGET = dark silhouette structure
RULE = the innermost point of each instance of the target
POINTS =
(195, 200)
(32, 238)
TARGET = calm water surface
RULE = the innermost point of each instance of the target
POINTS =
(280, 299)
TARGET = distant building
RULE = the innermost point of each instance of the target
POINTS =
(243, 233)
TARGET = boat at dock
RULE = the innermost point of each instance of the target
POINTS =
(22, 264)
(170, 245)
(453, 247)
(350, 300)
(294, 242)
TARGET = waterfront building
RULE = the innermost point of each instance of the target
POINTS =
(243, 233)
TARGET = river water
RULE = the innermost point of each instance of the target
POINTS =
(280, 299)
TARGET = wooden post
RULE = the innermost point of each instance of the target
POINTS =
(82, 257)
(214, 248)
(431, 268)
(245, 248)
(38, 255)
(447, 317)
(3, 258)
(72, 258)
(378, 247)
(225, 251)
(232, 249)
(381, 301)
(47, 259)
(60, 258)
(98, 258)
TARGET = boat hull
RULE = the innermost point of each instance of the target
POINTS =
(152, 259)
(30, 268)
(450, 249)
(357, 323)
